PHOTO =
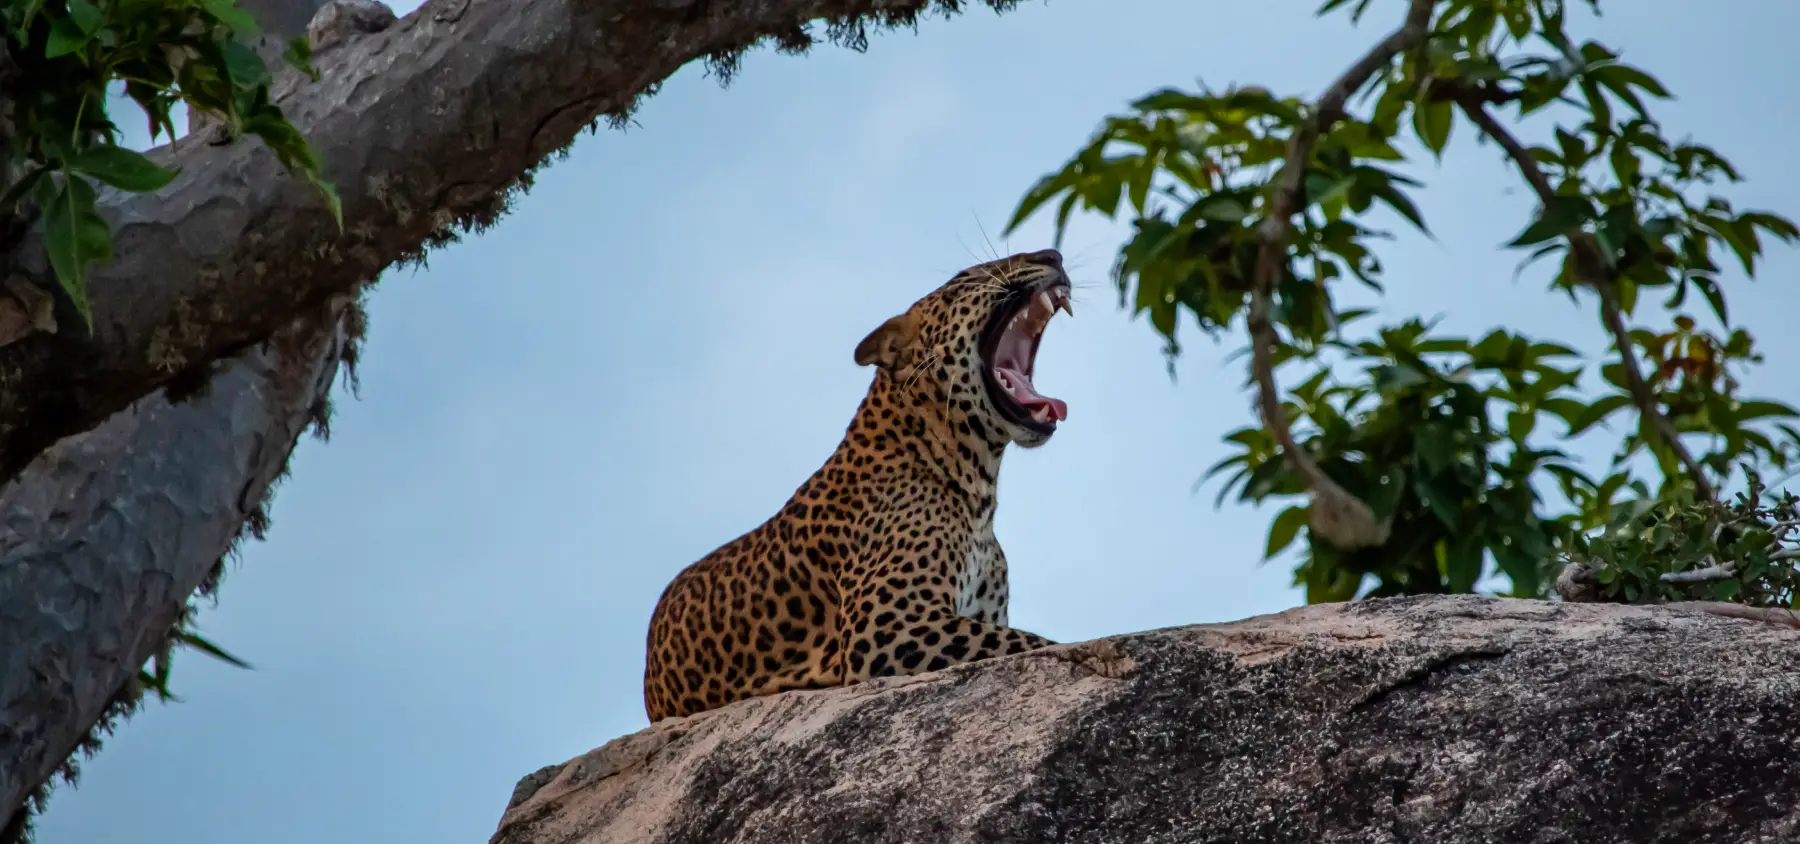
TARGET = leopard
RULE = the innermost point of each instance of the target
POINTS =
(884, 562)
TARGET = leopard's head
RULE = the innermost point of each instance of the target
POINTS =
(970, 347)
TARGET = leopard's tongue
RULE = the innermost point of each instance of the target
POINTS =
(1013, 360)
(1018, 385)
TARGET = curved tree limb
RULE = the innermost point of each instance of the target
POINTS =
(1590, 266)
(423, 128)
(1767, 615)
(234, 275)
(1336, 515)
(105, 535)
(188, 483)
(1717, 571)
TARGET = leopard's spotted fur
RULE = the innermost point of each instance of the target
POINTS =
(884, 561)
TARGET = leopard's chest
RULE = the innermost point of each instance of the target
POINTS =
(981, 582)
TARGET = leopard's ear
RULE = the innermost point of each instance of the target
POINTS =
(892, 346)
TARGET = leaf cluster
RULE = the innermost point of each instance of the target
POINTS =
(1453, 439)
(60, 145)
(1745, 551)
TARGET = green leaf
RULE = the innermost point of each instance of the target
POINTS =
(1779, 226)
(329, 192)
(1597, 412)
(1432, 121)
(1399, 202)
(245, 66)
(1519, 424)
(86, 15)
(1561, 216)
(75, 234)
(1714, 297)
(1574, 150)
(1162, 318)
(1749, 410)
(1362, 140)
(20, 189)
(1597, 104)
(1439, 504)
(122, 168)
(1632, 76)
(1460, 561)
(65, 37)
(240, 21)
(194, 640)
(1046, 188)
(1625, 164)
(1397, 378)
(1566, 409)
(298, 56)
(1222, 208)
(22, 16)
(1442, 345)
(1285, 527)
(1328, 584)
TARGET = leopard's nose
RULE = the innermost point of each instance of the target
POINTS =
(1045, 258)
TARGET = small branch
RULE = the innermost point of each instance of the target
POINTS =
(1336, 515)
(479, 95)
(1770, 615)
(1528, 167)
(1589, 263)
(1717, 571)
(1454, 91)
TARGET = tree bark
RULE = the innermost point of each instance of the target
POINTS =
(424, 128)
(117, 501)
(104, 537)
(107, 534)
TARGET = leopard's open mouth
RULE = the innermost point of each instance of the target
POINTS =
(1009, 349)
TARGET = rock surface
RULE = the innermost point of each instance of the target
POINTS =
(1443, 719)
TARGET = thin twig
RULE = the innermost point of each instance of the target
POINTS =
(1453, 91)
(1718, 571)
(1771, 615)
(1357, 527)
(1589, 263)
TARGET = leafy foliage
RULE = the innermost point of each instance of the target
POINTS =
(1743, 552)
(58, 146)
(1448, 438)
(60, 143)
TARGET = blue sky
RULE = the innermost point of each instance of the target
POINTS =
(654, 349)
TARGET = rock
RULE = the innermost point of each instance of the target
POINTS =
(1440, 719)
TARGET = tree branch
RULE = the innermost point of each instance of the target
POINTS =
(191, 483)
(1717, 571)
(105, 534)
(1767, 615)
(1590, 264)
(428, 126)
(1336, 515)
(1458, 91)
